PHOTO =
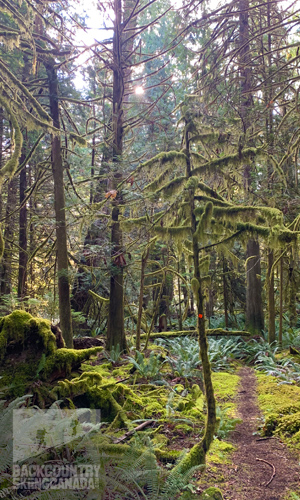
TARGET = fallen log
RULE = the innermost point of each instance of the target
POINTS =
(216, 332)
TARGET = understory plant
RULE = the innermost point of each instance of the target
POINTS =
(147, 367)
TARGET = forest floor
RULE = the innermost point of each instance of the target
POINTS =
(255, 460)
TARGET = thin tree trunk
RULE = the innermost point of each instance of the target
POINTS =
(23, 255)
(179, 299)
(280, 303)
(60, 216)
(225, 292)
(141, 296)
(271, 298)
(9, 231)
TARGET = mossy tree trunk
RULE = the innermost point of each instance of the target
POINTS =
(9, 231)
(225, 291)
(280, 302)
(197, 454)
(60, 216)
(23, 255)
(292, 290)
(145, 257)
(271, 298)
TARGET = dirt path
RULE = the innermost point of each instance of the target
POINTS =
(247, 477)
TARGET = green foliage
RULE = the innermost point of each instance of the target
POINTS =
(226, 424)
(185, 360)
(114, 354)
(147, 367)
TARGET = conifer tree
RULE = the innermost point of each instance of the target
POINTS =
(206, 220)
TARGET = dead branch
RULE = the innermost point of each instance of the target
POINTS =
(271, 465)
(130, 433)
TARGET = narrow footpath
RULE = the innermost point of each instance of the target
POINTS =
(261, 469)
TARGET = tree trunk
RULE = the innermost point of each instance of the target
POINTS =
(23, 255)
(115, 330)
(225, 292)
(196, 455)
(141, 299)
(60, 216)
(292, 290)
(9, 230)
(254, 309)
(280, 303)
(271, 298)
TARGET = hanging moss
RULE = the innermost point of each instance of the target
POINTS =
(78, 139)
(217, 203)
(224, 161)
(17, 140)
(173, 187)
(253, 229)
(177, 233)
(195, 285)
(34, 103)
(162, 158)
(156, 184)
(192, 183)
(204, 221)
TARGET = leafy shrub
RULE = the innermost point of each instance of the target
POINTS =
(148, 368)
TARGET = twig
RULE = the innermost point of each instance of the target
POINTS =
(130, 433)
(273, 467)
(265, 439)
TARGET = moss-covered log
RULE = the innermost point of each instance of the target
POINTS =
(215, 332)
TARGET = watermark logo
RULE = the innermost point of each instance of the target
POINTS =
(37, 433)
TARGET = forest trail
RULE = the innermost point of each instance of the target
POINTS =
(246, 477)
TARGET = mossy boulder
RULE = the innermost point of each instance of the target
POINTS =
(29, 352)
(212, 494)
(19, 330)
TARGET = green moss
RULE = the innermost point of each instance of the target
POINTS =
(225, 386)
(22, 328)
(280, 405)
(187, 429)
(212, 494)
(220, 452)
(169, 456)
(68, 359)
(272, 396)
(160, 441)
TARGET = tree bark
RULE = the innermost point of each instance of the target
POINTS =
(115, 330)
(23, 255)
(271, 299)
(9, 231)
(60, 216)
(254, 309)
(145, 256)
